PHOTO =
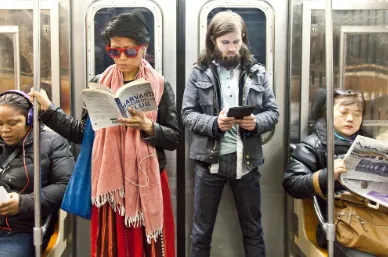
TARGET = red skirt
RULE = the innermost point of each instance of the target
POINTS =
(110, 237)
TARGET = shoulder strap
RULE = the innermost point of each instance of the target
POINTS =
(12, 156)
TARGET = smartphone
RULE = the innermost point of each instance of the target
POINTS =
(240, 112)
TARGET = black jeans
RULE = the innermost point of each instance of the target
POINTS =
(207, 196)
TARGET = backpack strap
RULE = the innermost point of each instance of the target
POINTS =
(5, 164)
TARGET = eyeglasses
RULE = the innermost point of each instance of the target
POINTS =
(346, 92)
(130, 52)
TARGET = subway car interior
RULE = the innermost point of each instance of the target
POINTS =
(286, 36)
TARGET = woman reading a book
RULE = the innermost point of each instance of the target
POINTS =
(132, 212)
(306, 173)
(17, 175)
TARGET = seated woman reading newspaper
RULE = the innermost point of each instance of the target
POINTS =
(17, 175)
(308, 161)
(132, 212)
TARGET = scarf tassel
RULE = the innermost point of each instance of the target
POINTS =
(108, 197)
(154, 235)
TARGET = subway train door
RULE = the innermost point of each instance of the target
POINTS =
(262, 30)
(93, 59)
(360, 40)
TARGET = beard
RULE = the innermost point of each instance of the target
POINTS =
(225, 60)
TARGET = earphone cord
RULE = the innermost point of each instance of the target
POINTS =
(28, 178)
(24, 162)
(141, 170)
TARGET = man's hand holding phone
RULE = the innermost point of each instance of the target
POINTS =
(225, 123)
(248, 123)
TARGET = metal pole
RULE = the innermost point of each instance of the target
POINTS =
(38, 235)
(330, 233)
(16, 52)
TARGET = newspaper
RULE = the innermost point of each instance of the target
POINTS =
(367, 169)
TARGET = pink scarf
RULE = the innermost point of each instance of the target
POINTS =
(118, 154)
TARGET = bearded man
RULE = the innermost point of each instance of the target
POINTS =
(226, 149)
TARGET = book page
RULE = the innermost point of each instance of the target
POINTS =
(4, 197)
(102, 108)
(98, 86)
(137, 95)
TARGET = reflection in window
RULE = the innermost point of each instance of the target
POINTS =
(102, 59)
(23, 19)
(256, 23)
(366, 63)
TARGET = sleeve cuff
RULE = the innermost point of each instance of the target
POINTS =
(146, 137)
(217, 132)
(252, 133)
(48, 110)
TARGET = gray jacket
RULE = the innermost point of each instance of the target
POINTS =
(201, 107)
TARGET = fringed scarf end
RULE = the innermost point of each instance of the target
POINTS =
(154, 235)
(135, 221)
(108, 197)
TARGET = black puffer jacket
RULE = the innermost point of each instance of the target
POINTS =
(166, 126)
(309, 157)
(57, 163)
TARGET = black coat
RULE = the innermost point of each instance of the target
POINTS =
(309, 157)
(166, 126)
(57, 163)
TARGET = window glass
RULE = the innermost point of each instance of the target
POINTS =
(256, 23)
(365, 65)
(23, 19)
(102, 59)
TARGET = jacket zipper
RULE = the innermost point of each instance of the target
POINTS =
(216, 98)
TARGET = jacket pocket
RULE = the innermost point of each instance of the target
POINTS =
(255, 95)
(206, 96)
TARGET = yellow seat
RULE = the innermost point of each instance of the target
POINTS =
(307, 227)
(58, 241)
(52, 242)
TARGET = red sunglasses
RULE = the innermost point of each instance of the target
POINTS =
(130, 52)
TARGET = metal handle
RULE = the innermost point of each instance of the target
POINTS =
(318, 211)
(375, 206)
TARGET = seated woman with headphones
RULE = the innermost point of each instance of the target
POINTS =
(17, 175)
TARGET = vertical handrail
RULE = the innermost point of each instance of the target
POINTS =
(16, 52)
(38, 227)
(330, 233)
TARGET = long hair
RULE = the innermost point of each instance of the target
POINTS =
(222, 24)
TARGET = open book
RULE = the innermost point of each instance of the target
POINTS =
(105, 106)
(367, 169)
